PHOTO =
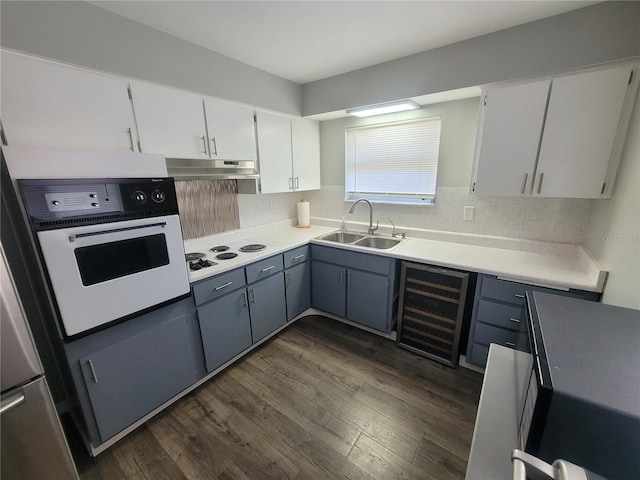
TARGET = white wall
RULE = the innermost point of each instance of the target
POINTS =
(614, 233)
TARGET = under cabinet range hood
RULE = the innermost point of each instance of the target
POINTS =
(217, 169)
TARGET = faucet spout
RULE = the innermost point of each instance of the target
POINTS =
(371, 227)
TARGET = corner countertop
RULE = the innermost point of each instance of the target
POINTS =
(566, 267)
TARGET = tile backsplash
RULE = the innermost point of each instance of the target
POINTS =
(207, 206)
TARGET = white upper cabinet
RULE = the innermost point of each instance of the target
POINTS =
(170, 122)
(305, 142)
(289, 152)
(184, 125)
(232, 131)
(48, 105)
(583, 120)
(559, 137)
(511, 120)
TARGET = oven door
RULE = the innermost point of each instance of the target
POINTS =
(101, 273)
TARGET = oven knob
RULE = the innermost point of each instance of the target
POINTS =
(95, 204)
(139, 196)
(55, 202)
(158, 196)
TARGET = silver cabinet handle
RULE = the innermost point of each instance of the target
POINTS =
(12, 402)
(131, 139)
(524, 182)
(215, 147)
(515, 320)
(204, 143)
(93, 371)
(224, 285)
(540, 183)
(252, 296)
(287, 280)
(291, 183)
(267, 269)
(297, 187)
(518, 295)
(510, 344)
(244, 298)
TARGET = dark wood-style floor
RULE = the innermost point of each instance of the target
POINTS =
(321, 400)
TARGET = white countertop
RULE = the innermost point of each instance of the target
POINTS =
(564, 268)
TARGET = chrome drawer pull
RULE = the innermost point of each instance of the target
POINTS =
(518, 295)
(510, 344)
(515, 320)
(267, 269)
(298, 257)
(12, 403)
(93, 371)
(224, 285)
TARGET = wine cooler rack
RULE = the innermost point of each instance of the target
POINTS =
(431, 310)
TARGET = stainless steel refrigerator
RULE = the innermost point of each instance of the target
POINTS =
(33, 445)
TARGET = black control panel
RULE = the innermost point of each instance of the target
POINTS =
(55, 203)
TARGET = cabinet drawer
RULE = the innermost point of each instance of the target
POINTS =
(504, 290)
(487, 334)
(296, 256)
(217, 286)
(505, 316)
(361, 261)
(264, 268)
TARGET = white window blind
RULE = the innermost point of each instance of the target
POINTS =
(393, 162)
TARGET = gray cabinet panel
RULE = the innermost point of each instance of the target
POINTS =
(296, 256)
(506, 316)
(367, 299)
(328, 288)
(298, 289)
(128, 379)
(487, 334)
(225, 327)
(346, 258)
(267, 306)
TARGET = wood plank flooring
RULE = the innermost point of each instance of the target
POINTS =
(322, 400)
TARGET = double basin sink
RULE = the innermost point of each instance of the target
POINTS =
(361, 240)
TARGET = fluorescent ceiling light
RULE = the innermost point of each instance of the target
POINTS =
(381, 108)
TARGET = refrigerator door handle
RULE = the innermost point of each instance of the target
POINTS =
(12, 402)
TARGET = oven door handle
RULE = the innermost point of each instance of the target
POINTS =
(72, 238)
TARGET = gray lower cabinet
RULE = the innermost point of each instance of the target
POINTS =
(267, 306)
(498, 309)
(297, 281)
(124, 372)
(360, 287)
(225, 328)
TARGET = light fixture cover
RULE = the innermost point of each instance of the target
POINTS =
(389, 107)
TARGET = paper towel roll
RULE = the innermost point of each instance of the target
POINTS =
(303, 214)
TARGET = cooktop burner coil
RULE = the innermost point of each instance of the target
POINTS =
(193, 256)
(226, 255)
(219, 248)
(252, 247)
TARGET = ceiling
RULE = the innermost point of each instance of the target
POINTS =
(304, 41)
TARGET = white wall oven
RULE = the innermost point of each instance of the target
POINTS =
(111, 248)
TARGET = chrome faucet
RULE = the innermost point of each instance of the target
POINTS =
(371, 228)
(395, 234)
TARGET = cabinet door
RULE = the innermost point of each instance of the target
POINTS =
(170, 122)
(267, 306)
(509, 130)
(298, 289)
(367, 299)
(580, 130)
(232, 131)
(127, 380)
(45, 104)
(328, 286)
(305, 141)
(274, 150)
(225, 328)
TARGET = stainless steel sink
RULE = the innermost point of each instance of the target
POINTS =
(342, 237)
(378, 242)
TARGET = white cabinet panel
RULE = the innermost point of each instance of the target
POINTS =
(232, 133)
(580, 131)
(45, 104)
(274, 147)
(305, 141)
(509, 135)
(170, 122)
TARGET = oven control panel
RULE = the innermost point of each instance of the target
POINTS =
(85, 201)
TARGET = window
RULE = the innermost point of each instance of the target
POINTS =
(393, 162)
